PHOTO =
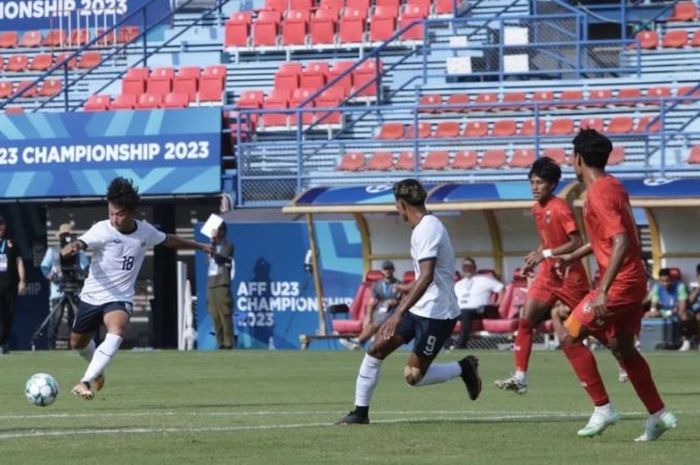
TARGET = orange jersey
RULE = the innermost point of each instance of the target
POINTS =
(607, 213)
(555, 223)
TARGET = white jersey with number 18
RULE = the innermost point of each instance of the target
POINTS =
(116, 261)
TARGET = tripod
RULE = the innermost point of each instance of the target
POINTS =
(48, 328)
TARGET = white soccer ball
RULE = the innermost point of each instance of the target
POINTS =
(41, 389)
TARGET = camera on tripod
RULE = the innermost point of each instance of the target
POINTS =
(71, 277)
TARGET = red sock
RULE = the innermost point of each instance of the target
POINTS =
(639, 375)
(586, 369)
(523, 344)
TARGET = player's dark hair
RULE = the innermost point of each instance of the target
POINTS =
(122, 193)
(410, 191)
(593, 147)
(547, 169)
(470, 260)
(665, 272)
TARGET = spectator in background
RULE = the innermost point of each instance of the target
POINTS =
(669, 298)
(474, 297)
(219, 288)
(11, 283)
(694, 304)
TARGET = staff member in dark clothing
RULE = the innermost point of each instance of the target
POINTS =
(219, 287)
(11, 283)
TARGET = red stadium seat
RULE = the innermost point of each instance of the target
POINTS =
(444, 7)
(494, 158)
(556, 154)
(9, 39)
(266, 28)
(509, 311)
(684, 11)
(436, 160)
(31, 89)
(695, 41)
(433, 100)
(658, 92)
(323, 26)
(694, 157)
(336, 5)
(366, 73)
(51, 87)
(186, 81)
(459, 101)
(238, 29)
(405, 162)
(123, 102)
(276, 5)
(617, 156)
(390, 3)
(6, 88)
(41, 62)
(55, 38)
(592, 123)
(504, 128)
(361, 5)
(522, 158)
(383, 23)
(344, 83)
(351, 161)
(411, 14)
(79, 37)
(570, 99)
(644, 127)
(17, 63)
(14, 110)
(89, 60)
(561, 127)
(299, 96)
(464, 160)
(295, 26)
(149, 102)
(287, 76)
(134, 82)
(516, 100)
(528, 127)
(97, 103)
(356, 316)
(543, 97)
(277, 99)
(629, 96)
(409, 276)
(620, 125)
(425, 131)
(381, 161)
(599, 98)
(447, 129)
(331, 98)
(314, 76)
(485, 101)
(128, 34)
(647, 39)
(72, 63)
(689, 91)
(677, 38)
(352, 26)
(252, 99)
(176, 100)
(391, 131)
(476, 129)
(304, 5)
(30, 39)
(212, 83)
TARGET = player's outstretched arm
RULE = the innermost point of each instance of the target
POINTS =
(176, 242)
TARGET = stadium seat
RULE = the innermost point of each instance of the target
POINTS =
(353, 324)
(17, 63)
(364, 78)
(134, 82)
(570, 99)
(684, 11)
(461, 101)
(425, 131)
(128, 34)
(336, 5)
(643, 125)
(617, 156)
(97, 103)
(50, 87)
(344, 83)
(360, 5)
(31, 89)
(391, 131)
(694, 157)
(266, 28)
(6, 88)
(351, 26)
(176, 100)
(561, 127)
(251, 99)
(123, 102)
(287, 76)
(109, 37)
(405, 162)
(79, 37)
(516, 100)
(493, 158)
(629, 96)
(659, 92)
(295, 26)
(381, 161)
(186, 81)
(599, 98)
(409, 276)
(677, 38)
(647, 39)
(556, 154)
(592, 123)
(14, 110)
(351, 161)
(444, 7)
(55, 38)
(543, 98)
(689, 91)
(330, 98)
(504, 128)
(323, 26)
(149, 101)
(9, 39)
(464, 160)
(476, 129)
(238, 29)
(299, 96)
(314, 76)
(485, 101)
(303, 5)
(522, 158)
(509, 311)
(276, 5)
(433, 100)
(41, 62)
(276, 99)
(528, 127)
(30, 39)
(413, 13)
(383, 23)
(447, 129)
(72, 63)
(436, 160)
(695, 41)
(620, 125)
(212, 82)
(89, 60)
(390, 3)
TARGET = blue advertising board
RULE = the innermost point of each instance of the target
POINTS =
(78, 153)
(23, 15)
(274, 300)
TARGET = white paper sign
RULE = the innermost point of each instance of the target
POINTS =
(212, 224)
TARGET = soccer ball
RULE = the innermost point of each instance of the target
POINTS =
(41, 389)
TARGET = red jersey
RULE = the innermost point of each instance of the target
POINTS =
(607, 213)
(555, 223)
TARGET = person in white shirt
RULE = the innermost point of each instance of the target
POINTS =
(474, 293)
(119, 246)
(426, 314)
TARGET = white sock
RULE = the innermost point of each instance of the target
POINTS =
(103, 355)
(367, 379)
(605, 409)
(87, 351)
(520, 376)
(657, 416)
(439, 373)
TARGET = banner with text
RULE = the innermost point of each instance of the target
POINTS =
(78, 153)
(23, 15)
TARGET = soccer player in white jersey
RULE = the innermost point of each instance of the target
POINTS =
(119, 246)
(426, 314)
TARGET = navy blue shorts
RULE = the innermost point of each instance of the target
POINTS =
(430, 334)
(89, 317)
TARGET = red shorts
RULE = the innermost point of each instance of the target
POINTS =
(548, 290)
(624, 315)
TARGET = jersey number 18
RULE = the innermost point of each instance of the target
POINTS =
(127, 262)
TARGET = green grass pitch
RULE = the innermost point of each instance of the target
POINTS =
(266, 408)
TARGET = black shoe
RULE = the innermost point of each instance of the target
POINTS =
(470, 375)
(353, 418)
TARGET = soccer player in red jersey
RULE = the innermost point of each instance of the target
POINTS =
(612, 312)
(558, 234)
